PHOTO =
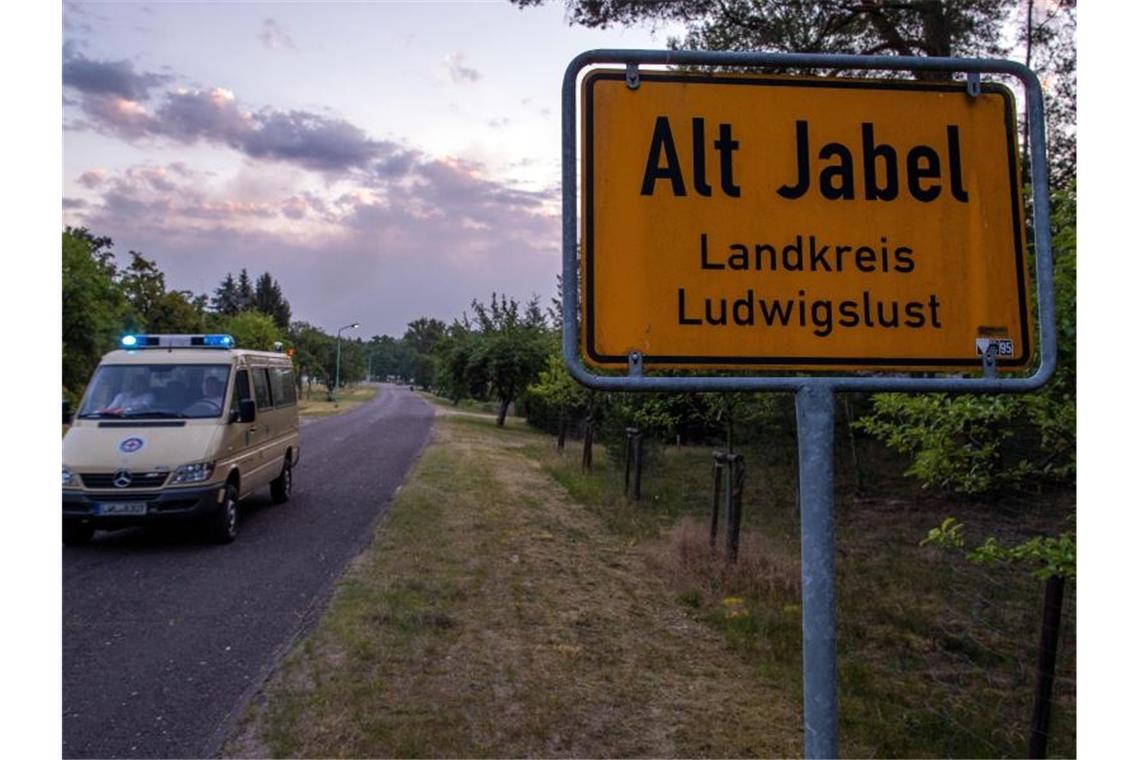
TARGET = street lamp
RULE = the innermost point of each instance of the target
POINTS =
(336, 383)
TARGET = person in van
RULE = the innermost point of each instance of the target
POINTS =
(134, 397)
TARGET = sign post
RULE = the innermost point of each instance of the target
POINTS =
(861, 230)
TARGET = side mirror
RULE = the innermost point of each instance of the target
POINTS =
(66, 412)
(247, 410)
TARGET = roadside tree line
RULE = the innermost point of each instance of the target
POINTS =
(104, 300)
(507, 352)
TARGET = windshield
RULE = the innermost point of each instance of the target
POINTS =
(155, 391)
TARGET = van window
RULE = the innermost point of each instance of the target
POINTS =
(241, 387)
(261, 389)
(194, 391)
(281, 383)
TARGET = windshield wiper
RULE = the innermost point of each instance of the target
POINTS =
(157, 413)
(96, 415)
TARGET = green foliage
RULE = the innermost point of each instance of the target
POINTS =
(955, 441)
(388, 356)
(95, 308)
(268, 299)
(225, 300)
(457, 376)
(558, 388)
(422, 334)
(156, 309)
(252, 329)
(556, 398)
(312, 349)
(499, 355)
(948, 535)
(101, 302)
(1042, 556)
(419, 341)
(963, 27)
(981, 444)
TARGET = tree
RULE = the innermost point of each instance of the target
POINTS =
(963, 28)
(268, 299)
(225, 300)
(423, 334)
(312, 348)
(1049, 37)
(155, 309)
(244, 292)
(177, 311)
(420, 338)
(252, 329)
(510, 349)
(863, 27)
(386, 355)
(94, 306)
(556, 388)
(456, 375)
(144, 285)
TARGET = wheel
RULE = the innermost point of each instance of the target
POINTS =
(223, 524)
(76, 534)
(281, 489)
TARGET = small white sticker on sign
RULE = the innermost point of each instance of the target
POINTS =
(1004, 346)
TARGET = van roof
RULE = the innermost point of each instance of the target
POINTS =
(189, 356)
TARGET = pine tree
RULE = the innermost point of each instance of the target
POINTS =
(225, 300)
(244, 292)
(268, 299)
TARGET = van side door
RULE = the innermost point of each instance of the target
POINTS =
(240, 443)
(263, 435)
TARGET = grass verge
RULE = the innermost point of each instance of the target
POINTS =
(936, 656)
(314, 402)
(496, 616)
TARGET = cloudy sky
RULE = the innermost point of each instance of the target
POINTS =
(384, 161)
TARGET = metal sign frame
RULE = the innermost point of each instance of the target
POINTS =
(815, 394)
(637, 380)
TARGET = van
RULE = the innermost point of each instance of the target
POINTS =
(179, 428)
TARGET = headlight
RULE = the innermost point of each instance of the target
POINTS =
(69, 478)
(193, 473)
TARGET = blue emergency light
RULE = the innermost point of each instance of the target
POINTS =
(217, 340)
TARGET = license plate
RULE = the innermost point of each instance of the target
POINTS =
(121, 508)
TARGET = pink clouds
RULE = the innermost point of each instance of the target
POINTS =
(355, 221)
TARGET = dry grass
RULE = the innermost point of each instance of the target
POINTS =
(316, 403)
(936, 656)
(763, 568)
(495, 616)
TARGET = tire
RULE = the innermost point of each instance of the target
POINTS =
(223, 524)
(76, 534)
(281, 489)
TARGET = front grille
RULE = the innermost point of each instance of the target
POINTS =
(138, 480)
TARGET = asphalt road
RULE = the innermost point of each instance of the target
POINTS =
(166, 637)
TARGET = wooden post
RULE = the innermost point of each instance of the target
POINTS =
(718, 469)
(588, 445)
(629, 431)
(735, 492)
(1046, 665)
(639, 456)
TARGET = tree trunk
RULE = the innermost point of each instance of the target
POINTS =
(504, 404)
(561, 433)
